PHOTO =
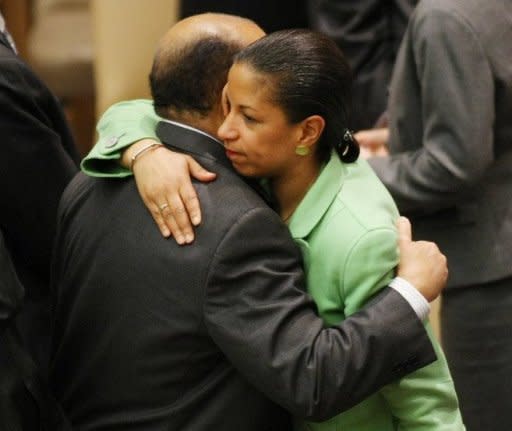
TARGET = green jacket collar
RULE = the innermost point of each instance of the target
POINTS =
(318, 198)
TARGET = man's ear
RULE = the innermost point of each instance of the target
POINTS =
(311, 130)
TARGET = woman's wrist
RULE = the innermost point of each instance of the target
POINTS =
(136, 151)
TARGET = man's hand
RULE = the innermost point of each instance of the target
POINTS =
(373, 142)
(421, 263)
(163, 179)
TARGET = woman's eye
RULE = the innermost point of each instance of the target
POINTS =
(248, 118)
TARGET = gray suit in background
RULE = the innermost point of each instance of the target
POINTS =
(450, 170)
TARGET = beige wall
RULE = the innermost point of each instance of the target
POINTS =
(125, 33)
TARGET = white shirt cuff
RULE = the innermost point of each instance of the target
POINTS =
(415, 299)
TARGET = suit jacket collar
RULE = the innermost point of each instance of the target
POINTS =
(188, 140)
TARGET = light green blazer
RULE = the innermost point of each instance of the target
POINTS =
(345, 227)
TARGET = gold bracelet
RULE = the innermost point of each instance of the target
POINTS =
(142, 151)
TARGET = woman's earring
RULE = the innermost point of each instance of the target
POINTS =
(302, 150)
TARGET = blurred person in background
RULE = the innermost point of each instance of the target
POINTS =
(447, 161)
(38, 161)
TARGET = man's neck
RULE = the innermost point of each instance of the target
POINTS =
(193, 128)
(208, 124)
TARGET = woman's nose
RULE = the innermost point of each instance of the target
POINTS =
(226, 130)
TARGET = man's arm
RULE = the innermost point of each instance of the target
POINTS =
(257, 313)
(457, 94)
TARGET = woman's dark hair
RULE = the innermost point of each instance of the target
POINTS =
(309, 76)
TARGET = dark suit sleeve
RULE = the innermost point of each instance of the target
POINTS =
(11, 290)
(37, 162)
(258, 314)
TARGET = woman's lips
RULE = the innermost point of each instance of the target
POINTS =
(231, 153)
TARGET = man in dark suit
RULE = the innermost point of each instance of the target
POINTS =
(220, 334)
(38, 161)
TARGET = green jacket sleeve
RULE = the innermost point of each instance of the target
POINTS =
(120, 126)
(424, 400)
(368, 267)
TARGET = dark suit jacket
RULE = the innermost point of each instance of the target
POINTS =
(11, 290)
(218, 335)
(18, 410)
(38, 160)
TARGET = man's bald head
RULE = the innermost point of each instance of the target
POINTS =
(192, 61)
(227, 27)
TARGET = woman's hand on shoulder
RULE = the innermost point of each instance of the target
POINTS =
(163, 178)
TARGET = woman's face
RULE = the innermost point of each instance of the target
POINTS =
(259, 140)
